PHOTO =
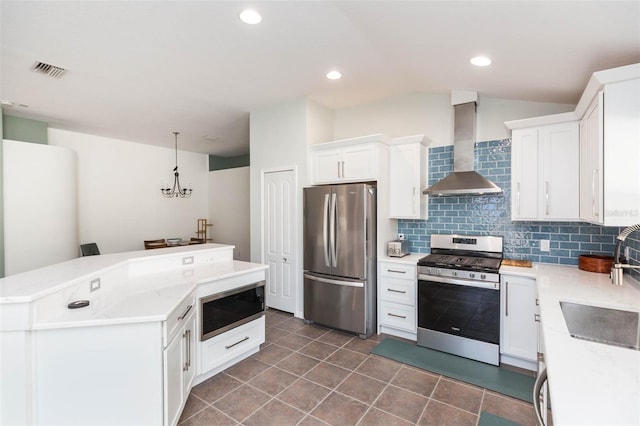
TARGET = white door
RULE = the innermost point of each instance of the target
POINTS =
(279, 239)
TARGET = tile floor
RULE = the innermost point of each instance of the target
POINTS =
(306, 374)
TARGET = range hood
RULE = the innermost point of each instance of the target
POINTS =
(464, 180)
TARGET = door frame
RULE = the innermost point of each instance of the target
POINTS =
(296, 234)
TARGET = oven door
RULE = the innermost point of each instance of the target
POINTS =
(460, 317)
(460, 307)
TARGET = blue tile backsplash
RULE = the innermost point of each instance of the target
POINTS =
(491, 215)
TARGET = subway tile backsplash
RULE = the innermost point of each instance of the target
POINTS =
(491, 215)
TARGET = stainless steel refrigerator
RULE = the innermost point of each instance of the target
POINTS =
(340, 256)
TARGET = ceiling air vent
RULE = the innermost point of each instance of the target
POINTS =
(48, 69)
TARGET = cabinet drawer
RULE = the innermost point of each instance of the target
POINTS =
(220, 349)
(398, 290)
(177, 318)
(398, 316)
(398, 270)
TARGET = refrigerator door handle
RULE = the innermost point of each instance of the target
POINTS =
(332, 239)
(337, 282)
(325, 231)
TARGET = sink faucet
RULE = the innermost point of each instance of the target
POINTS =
(616, 269)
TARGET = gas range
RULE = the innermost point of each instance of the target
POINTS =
(459, 297)
(465, 257)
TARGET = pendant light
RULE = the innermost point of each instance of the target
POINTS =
(177, 190)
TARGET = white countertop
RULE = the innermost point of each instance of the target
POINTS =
(142, 286)
(410, 259)
(590, 383)
(31, 285)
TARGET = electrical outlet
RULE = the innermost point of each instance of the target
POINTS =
(188, 260)
(94, 284)
(401, 236)
(545, 245)
(626, 253)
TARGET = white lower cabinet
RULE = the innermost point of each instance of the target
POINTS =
(519, 321)
(397, 288)
(179, 366)
(218, 352)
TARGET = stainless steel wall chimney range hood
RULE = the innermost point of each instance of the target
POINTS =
(464, 180)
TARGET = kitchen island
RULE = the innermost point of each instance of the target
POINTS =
(590, 383)
(131, 355)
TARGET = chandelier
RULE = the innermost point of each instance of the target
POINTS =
(177, 190)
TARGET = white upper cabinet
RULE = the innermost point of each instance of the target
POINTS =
(610, 156)
(591, 162)
(545, 171)
(349, 160)
(407, 178)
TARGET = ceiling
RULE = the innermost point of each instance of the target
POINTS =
(140, 70)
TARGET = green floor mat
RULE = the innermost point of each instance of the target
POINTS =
(497, 379)
(488, 419)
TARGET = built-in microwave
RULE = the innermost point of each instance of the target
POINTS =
(221, 312)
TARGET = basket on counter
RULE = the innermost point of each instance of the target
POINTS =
(595, 263)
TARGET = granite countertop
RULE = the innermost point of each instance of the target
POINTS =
(589, 382)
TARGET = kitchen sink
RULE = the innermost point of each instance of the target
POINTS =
(609, 326)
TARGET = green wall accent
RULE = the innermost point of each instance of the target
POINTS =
(1, 199)
(221, 163)
(24, 129)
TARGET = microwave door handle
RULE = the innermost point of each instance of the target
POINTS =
(334, 250)
(325, 230)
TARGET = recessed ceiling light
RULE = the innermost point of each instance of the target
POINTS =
(480, 61)
(250, 16)
(334, 75)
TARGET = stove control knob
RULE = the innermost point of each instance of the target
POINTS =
(454, 273)
(472, 275)
(483, 277)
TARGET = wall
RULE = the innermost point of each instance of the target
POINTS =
(221, 163)
(40, 200)
(119, 199)
(491, 214)
(24, 129)
(279, 135)
(229, 209)
(432, 115)
(1, 200)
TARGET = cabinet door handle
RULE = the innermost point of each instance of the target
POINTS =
(188, 348)
(181, 317)
(343, 168)
(594, 181)
(186, 351)
(397, 316)
(536, 317)
(236, 343)
(518, 196)
(506, 299)
(415, 210)
(396, 291)
(396, 271)
(339, 168)
(546, 197)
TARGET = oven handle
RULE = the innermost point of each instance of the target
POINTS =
(456, 281)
